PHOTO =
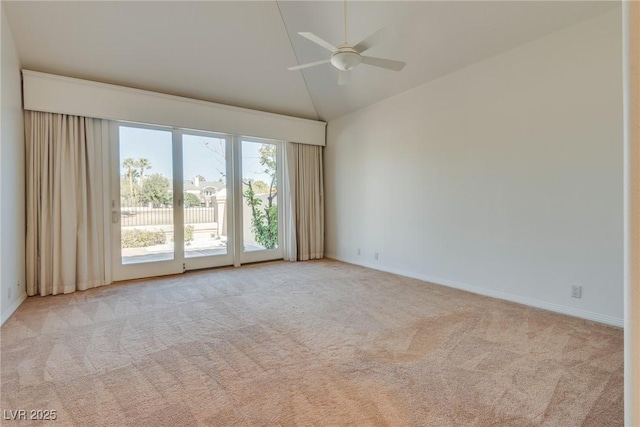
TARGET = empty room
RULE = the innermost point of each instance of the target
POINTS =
(320, 213)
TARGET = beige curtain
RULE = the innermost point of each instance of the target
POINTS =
(65, 219)
(304, 211)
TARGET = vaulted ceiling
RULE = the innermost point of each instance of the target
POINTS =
(237, 52)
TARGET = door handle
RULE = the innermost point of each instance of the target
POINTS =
(115, 217)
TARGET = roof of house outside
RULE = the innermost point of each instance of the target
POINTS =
(189, 185)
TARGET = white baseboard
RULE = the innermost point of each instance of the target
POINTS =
(13, 308)
(558, 308)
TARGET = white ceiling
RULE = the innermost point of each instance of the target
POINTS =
(237, 52)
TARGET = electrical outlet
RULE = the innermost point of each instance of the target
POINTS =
(576, 291)
(358, 252)
(375, 256)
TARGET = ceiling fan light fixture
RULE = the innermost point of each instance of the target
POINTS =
(346, 56)
(345, 59)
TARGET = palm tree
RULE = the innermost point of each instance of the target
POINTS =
(143, 164)
(129, 165)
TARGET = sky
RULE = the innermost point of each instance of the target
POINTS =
(202, 155)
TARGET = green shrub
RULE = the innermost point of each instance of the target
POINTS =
(191, 200)
(137, 238)
(188, 233)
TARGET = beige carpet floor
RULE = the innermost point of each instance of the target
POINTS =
(318, 343)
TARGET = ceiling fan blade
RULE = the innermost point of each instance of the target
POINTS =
(310, 64)
(389, 64)
(373, 40)
(317, 40)
(344, 77)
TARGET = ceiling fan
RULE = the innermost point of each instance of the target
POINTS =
(346, 57)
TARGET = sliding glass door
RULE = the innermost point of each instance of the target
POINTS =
(143, 213)
(260, 170)
(187, 200)
(205, 210)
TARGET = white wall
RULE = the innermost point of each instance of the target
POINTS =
(504, 178)
(12, 174)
